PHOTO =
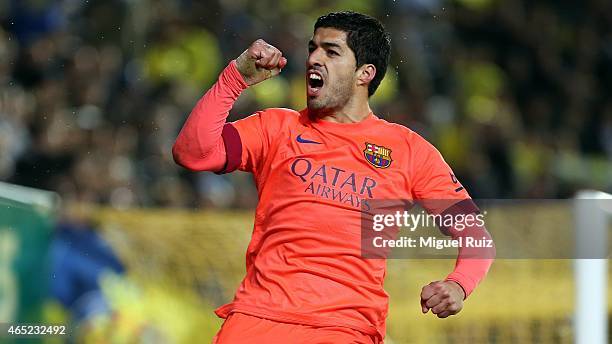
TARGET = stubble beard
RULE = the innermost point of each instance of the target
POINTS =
(333, 99)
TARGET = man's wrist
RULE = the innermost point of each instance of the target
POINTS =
(236, 75)
(460, 289)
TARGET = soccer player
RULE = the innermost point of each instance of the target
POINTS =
(316, 171)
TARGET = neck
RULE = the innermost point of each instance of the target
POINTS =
(351, 112)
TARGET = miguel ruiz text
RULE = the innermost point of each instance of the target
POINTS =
(433, 242)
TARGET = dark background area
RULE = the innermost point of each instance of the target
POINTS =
(515, 94)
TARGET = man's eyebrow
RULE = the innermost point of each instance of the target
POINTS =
(331, 45)
(326, 44)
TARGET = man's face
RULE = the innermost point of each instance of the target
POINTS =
(330, 70)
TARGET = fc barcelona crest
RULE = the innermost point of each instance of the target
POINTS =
(377, 156)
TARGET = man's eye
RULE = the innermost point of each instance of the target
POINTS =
(332, 52)
(311, 49)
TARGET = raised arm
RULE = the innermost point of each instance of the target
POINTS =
(200, 144)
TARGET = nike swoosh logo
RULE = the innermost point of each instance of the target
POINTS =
(302, 140)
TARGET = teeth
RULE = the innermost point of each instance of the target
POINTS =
(314, 76)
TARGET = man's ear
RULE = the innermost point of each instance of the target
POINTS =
(365, 74)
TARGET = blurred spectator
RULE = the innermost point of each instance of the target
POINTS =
(79, 259)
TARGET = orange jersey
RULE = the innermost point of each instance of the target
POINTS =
(313, 178)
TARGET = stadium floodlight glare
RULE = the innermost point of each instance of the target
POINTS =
(591, 219)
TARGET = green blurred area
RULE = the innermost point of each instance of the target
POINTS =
(25, 234)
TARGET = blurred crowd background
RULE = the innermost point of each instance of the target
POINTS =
(515, 94)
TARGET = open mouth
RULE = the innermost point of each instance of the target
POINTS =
(315, 83)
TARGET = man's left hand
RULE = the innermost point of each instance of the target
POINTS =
(444, 298)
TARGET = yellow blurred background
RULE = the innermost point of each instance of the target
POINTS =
(186, 263)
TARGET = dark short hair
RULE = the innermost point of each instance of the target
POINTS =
(367, 38)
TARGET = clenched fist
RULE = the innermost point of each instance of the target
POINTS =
(444, 298)
(259, 62)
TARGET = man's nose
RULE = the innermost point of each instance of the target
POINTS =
(314, 58)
